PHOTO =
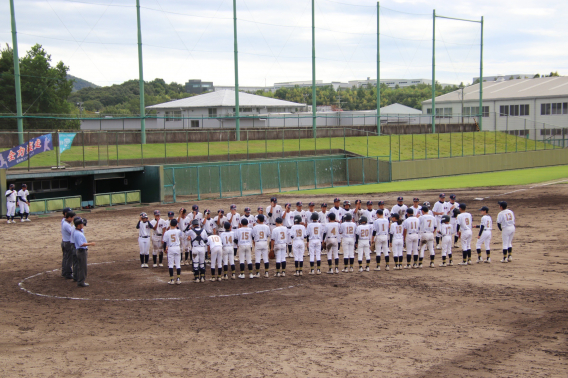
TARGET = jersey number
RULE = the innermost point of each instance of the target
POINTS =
(173, 238)
(349, 230)
(467, 221)
(216, 239)
(299, 233)
(245, 236)
(261, 234)
(508, 216)
(364, 233)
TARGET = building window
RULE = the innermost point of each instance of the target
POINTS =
(504, 110)
(514, 110)
(212, 112)
(524, 111)
(173, 116)
(551, 132)
(194, 123)
(565, 108)
(519, 132)
(48, 186)
(544, 109)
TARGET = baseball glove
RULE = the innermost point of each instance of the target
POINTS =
(271, 255)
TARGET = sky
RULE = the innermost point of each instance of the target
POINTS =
(193, 39)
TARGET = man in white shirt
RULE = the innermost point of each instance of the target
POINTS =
(144, 231)
(260, 236)
(243, 236)
(323, 213)
(465, 224)
(347, 230)
(338, 211)
(273, 211)
(158, 224)
(411, 227)
(278, 240)
(427, 228)
(24, 203)
(11, 196)
(314, 234)
(484, 236)
(172, 238)
(439, 209)
(506, 223)
(381, 229)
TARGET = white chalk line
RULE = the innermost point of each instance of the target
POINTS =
(532, 187)
(23, 288)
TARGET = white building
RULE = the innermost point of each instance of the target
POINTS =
(392, 83)
(519, 105)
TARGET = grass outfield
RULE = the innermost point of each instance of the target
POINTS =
(501, 178)
(402, 147)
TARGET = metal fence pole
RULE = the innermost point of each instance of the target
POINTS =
(297, 175)
(208, 143)
(186, 147)
(363, 169)
(299, 144)
(347, 171)
(260, 176)
(367, 143)
(331, 170)
(241, 178)
(484, 142)
(266, 142)
(220, 184)
(199, 186)
(462, 143)
(282, 142)
(117, 149)
(507, 135)
(247, 145)
(390, 144)
(279, 181)
(344, 139)
(228, 146)
(495, 138)
(398, 147)
(165, 148)
(525, 134)
(315, 176)
(141, 149)
(83, 140)
(378, 176)
(412, 146)
(450, 144)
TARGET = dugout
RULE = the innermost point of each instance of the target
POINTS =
(87, 183)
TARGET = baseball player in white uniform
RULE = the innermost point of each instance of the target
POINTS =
(314, 234)
(278, 240)
(331, 240)
(397, 233)
(273, 211)
(416, 207)
(249, 217)
(439, 209)
(260, 211)
(347, 231)
(484, 236)
(301, 213)
(144, 231)
(357, 212)
(198, 238)
(347, 209)
(228, 239)
(454, 206)
(400, 208)
(369, 213)
(381, 228)
(24, 203)
(288, 222)
(338, 211)
(234, 219)
(183, 224)
(11, 196)
(243, 236)
(411, 227)
(172, 239)
(447, 234)
(215, 246)
(363, 235)
(260, 236)
(465, 223)
(209, 224)
(158, 225)
(428, 226)
(298, 234)
(506, 223)
(323, 213)
(309, 213)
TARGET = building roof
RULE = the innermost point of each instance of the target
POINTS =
(224, 98)
(399, 109)
(510, 89)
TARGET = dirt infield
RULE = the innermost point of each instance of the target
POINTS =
(502, 320)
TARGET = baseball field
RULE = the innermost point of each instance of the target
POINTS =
(484, 320)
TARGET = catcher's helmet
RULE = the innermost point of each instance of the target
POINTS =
(331, 216)
(363, 220)
(195, 223)
(445, 218)
(348, 217)
(297, 219)
(315, 217)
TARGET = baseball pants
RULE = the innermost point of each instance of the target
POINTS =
(24, 208)
(198, 258)
(228, 256)
(75, 261)
(348, 247)
(298, 249)
(67, 261)
(485, 238)
(332, 250)
(144, 244)
(412, 244)
(82, 255)
(466, 240)
(382, 245)
(507, 235)
(217, 257)
(427, 241)
(364, 248)
(447, 245)
(157, 245)
(397, 246)
(10, 208)
(314, 250)
(261, 252)
(174, 258)
(280, 253)
(245, 252)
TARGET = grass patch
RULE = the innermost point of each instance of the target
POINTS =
(401, 147)
(501, 178)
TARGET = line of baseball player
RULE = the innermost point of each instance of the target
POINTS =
(283, 233)
(21, 197)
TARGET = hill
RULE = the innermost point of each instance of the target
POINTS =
(79, 83)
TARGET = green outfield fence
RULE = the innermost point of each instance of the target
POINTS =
(117, 198)
(400, 141)
(224, 180)
(42, 206)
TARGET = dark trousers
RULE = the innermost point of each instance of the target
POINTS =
(67, 261)
(75, 261)
(81, 265)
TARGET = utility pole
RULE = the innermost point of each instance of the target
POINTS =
(481, 81)
(20, 120)
(141, 78)
(236, 52)
(434, 72)
(314, 102)
(378, 72)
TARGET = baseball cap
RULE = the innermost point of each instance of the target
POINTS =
(66, 210)
(452, 196)
(400, 199)
(273, 199)
(299, 203)
(323, 205)
(346, 202)
(442, 195)
(260, 208)
(484, 208)
(195, 208)
(247, 209)
(416, 199)
(336, 199)
(287, 205)
(156, 212)
(357, 201)
(143, 215)
(206, 211)
(463, 206)
(170, 213)
(381, 203)
(311, 204)
(24, 186)
(221, 211)
(503, 204)
(233, 207)
(369, 203)
(182, 210)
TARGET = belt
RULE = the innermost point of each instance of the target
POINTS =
(144, 237)
(158, 234)
(234, 228)
(12, 201)
(288, 227)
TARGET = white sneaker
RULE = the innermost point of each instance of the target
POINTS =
(22, 220)
(479, 260)
(301, 272)
(378, 268)
(451, 263)
(318, 271)
(277, 274)
(202, 279)
(367, 269)
(241, 275)
(443, 264)
(225, 277)
(488, 261)
(266, 275)
(462, 263)
(296, 274)
(171, 282)
(337, 270)
(27, 220)
(351, 269)
(344, 270)
(330, 271)
(178, 282)
(257, 275)
(146, 266)
(311, 271)
(432, 265)
(196, 280)
(142, 266)
(406, 266)
(469, 262)
(505, 260)
(510, 259)
(360, 269)
(155, 265)
(251, 276)
(387, 268)
(8, 221)
(233, 277)
(438, 247)
(160, 264)
(212, 279)
(283, 274)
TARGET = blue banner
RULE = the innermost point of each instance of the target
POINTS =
(21, 153)
(65, 141)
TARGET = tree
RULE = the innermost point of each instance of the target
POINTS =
(45, 89)
(536, 76)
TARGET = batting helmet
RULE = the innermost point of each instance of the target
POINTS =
(297, 219)
(77, 221)
(143, 215)
(347, 217)
(195, 208)
(445, 218)
(346, 202)
(426, 203)
(315, 217)
(363, 220)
